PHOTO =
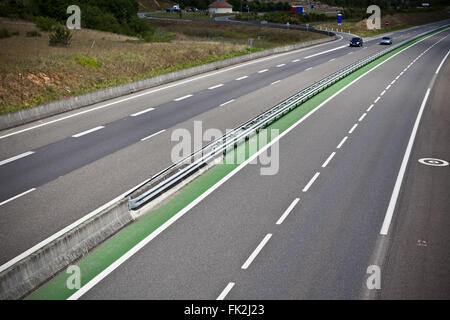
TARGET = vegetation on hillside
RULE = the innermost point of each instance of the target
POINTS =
(384, 4)
(32, 72)
(118, 16)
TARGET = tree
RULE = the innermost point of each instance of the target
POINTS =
(61, 35)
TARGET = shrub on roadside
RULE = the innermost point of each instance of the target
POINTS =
(33, 33)
(4, 33)
(87, 61)
(61, 36)
(46, 23)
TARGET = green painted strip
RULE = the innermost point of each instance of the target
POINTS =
(111, 250)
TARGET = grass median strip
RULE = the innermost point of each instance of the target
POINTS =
(111, 250)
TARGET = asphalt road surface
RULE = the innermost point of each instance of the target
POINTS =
(55, 171)
(311, 230)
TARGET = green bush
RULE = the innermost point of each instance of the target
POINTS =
(61, 35)
(4, 33)
(33, 33)
(46, 23)
(87, 61)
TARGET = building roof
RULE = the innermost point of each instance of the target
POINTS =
(220, 4)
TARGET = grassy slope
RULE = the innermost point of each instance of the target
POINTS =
(32, 72)
(264, 38)
(396, 22)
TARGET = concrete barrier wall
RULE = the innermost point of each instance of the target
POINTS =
(31, 272)
(27, 115)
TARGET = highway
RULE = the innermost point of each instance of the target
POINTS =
(312, 230)
(75, 162)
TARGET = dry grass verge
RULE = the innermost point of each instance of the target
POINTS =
(33, 73)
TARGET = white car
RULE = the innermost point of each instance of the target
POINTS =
(386, 40)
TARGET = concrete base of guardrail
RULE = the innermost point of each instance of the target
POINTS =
(27, 115)
(28, 274)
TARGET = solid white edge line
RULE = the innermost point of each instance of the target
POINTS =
(216, 86)
(226, 291)
(142, 112)
(323, 52)
(20, 156)
(353, 128)
(398, 183)
(17, 196)
(87, 132)
(442, 62)
(328, 159)
(362, 117)
(152, 135)
(311, 181)
(288, 211)
(183, 97)
(258, 249)
(342, 142)
(183, 211)
(170, 86)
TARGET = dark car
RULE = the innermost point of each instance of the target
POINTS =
(356, 42)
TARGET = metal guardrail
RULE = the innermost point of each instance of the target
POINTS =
(178, 171)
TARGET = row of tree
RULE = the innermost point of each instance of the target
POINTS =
(254, 5)
(267, 6)
(384, 4)
(119, 16)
